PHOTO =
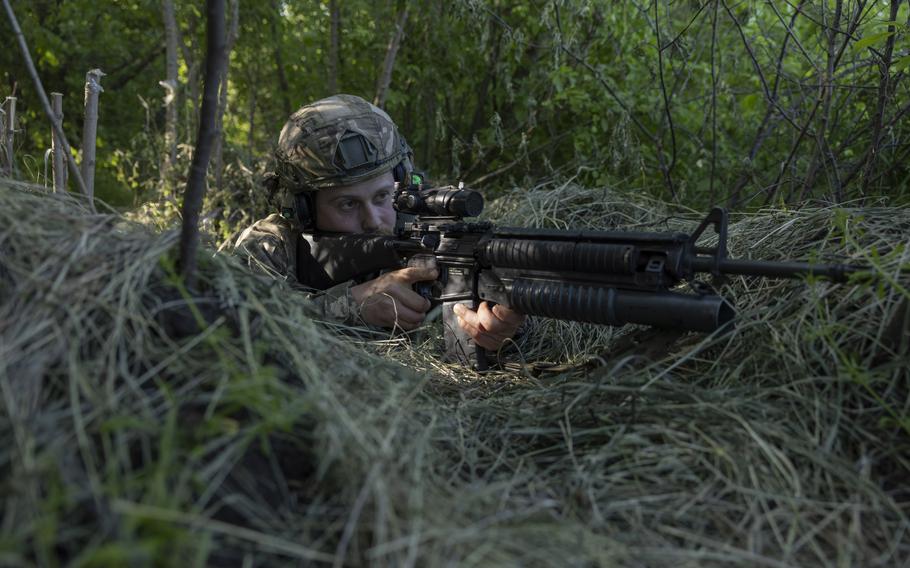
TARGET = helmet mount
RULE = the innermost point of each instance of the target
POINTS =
(354, 152)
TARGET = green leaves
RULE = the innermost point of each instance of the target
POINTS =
(549, 71)
(873, 39)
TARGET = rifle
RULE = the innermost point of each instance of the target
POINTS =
(601, 277)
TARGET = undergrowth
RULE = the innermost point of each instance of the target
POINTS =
(268, 438)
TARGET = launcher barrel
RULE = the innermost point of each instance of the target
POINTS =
(611, 306)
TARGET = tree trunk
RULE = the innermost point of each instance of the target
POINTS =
(254, 82)
(334, 46)
(170, 85)
(430, 134)
(382, 86)
(883, 96)
(222, 98)
(483, 93)
(195, 187)
(284, 88)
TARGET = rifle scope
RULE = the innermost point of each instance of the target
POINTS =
(439, 202)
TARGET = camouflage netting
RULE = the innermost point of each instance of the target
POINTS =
(269, 439)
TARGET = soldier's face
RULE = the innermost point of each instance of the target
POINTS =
(364, 207)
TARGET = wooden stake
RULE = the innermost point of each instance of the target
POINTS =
(56, 147)
(10, 134)
(90, 128)
(42, 94)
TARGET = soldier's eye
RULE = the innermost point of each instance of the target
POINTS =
(347, 205)
(382, 196)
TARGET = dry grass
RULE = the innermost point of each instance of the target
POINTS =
(268, 439)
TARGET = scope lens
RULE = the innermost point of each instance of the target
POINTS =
(469, 203)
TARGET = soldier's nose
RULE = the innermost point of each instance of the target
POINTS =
(371, 220)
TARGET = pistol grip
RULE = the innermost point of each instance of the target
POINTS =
(425, 289)
(459, 347)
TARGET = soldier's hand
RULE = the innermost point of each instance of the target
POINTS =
(390, 301)
(489, 327)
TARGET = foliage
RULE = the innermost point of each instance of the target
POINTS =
(698, 102)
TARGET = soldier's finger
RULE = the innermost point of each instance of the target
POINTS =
(390, 312)
(468, 327)
(404, 323)
(410, 298)
(468, 322)
(423, 261)
(485, 318)
(466, 314)
(407, 318)
(508, 315)
(481, 338)
(417, 274)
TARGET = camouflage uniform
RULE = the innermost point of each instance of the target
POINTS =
(337, 141)
(270, 247)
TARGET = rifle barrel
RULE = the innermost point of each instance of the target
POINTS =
(768, 269)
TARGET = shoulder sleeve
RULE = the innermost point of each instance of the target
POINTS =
(268, 247)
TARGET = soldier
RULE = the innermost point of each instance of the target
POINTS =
(337, 162)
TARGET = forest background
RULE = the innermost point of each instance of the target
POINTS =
(268, 436)
(700, 103)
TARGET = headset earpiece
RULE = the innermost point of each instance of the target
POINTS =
(305, 211)
(298, 208)
(400, 173)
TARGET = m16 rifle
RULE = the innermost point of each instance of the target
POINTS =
(601, 277)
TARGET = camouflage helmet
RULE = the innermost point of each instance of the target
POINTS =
(338, 140)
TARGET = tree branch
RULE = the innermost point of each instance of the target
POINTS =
(195, 188)
(668, 179)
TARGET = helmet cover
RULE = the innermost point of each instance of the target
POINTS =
(339, 140)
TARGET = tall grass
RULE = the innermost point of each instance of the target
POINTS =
(271, 439)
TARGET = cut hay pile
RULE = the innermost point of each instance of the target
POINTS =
(267, 439)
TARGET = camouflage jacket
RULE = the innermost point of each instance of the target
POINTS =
(270, 247)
